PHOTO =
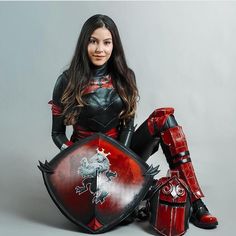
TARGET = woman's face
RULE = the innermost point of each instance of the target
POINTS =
(100, 46)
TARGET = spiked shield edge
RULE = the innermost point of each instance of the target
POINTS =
(148, 173)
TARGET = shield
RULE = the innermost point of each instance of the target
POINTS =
(97, 182)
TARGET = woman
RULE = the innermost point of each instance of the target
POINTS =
(98, 93)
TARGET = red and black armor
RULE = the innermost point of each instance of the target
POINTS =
(162, 128)
(170, 205)
(101, 114)
(97, 182)
(177, 153)
(162, 124)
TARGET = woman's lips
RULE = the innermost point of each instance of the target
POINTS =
(99, 57)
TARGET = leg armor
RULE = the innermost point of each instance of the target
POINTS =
(175, 148)
(163, 124)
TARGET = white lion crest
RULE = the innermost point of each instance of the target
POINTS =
(90, 169)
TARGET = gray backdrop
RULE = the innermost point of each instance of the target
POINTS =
(183, 54)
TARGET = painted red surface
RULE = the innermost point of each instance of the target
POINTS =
(170, 210)
(127, 183)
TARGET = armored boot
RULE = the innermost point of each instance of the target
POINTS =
(172, 139)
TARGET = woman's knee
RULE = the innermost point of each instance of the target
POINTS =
(161, 118)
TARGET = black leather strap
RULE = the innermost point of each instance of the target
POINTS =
(181, 154)
(174, 165)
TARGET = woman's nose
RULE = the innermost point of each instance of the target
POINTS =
(99, 48)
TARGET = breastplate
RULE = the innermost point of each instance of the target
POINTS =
(102, 110)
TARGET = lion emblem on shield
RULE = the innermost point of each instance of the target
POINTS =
(94, 172)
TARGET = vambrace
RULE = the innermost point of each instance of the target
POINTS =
(126, 133)
(58, 128)
(59, 133)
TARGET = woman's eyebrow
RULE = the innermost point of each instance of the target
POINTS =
(93, 37)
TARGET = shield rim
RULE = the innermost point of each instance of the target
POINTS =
(148, 180)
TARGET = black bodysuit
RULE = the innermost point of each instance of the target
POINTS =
(101, 114)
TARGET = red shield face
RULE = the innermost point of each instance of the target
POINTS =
(97, 182)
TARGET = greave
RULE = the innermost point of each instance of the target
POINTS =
(161, 123)
(175, 148)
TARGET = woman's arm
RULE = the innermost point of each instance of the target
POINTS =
(126, 133)
(127, 130)
(58, 127)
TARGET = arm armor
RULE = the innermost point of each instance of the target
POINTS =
(58, 127)
(126, 133)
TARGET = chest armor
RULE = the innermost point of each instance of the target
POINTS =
(103, 107)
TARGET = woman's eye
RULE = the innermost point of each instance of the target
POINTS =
(107, 43)
(92, 41)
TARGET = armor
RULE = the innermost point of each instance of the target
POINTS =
(97, 182)
(161, 123)
(169, 206)
(101, 114)
(176, 150)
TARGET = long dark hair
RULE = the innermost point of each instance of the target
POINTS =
(79, 72)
